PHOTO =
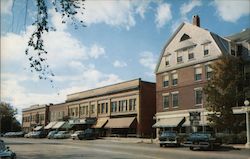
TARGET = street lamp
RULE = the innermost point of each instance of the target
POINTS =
(247, 109)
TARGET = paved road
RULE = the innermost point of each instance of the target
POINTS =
(111, 149)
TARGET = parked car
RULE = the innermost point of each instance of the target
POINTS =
(39, 134)
(5, 152)
(169, 138)
(88, 134)
(75, 135)
(14, 134)
(51, 134)
(30, 134)
(202, 140)
(62, 135)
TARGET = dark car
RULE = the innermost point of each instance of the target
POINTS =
(202, 140)
(169, 138)
(39, 134)
(5, 152)
(88, 134)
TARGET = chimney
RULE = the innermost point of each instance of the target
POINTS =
(196, 20)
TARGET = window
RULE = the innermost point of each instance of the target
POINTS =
(174, 79)
(197, 74)
(165, 101)
(175, 99)
(106, 108)
(190, 54)
(167, 60)
(208, 71)
(123, 105)
(165, 82)
(103, 108)
(206, 49)
(92, 109)
(184, 37)
(198, 96)
(99, 108)
(114, 106)
(179, 56)
(132, 104)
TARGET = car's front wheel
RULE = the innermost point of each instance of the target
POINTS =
(191, 148)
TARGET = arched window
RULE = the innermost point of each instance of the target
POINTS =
(184, 37)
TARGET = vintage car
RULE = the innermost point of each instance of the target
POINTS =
(51, 134)
(88, 134)
(75, 135)
(5, 152)
(62, 135)
(202, 140)
(169, 138)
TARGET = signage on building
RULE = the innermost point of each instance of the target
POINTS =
(194, 118)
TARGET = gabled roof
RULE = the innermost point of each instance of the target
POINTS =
(164, 48)
(222, 43)
(241, 36)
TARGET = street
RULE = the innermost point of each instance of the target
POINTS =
(111, 149)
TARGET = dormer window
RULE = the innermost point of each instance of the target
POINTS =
(184, 37)
(206, 49)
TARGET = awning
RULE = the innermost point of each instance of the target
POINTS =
(38, 128)
(49, 126)
(67, 125)
(58, 125)
(170, 122)
(185, 44)
(100, 123)
(120, 122)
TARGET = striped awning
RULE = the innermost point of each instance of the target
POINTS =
(49, 126)
(58, 125)
(169, 122)
(38, 128)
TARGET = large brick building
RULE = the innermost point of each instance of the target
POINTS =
(183, 70)
(125, 108)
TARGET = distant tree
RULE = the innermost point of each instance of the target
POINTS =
(35, 51)
(222, 91)
(8, 121)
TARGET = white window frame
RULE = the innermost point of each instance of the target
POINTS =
(172, 98)
(195, 102)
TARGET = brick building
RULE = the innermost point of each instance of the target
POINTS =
(125, 108)
(183, 70)
(35, 117)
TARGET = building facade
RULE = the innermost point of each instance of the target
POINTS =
(125, 108)
(121, 109)
(36, 116)
(182, 72)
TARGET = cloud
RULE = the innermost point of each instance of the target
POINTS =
(118, 63)
(187, 7)
(113, 13)
(163, 14)
(231, 11)
(96, 51)
(148, 60)
(6, 6)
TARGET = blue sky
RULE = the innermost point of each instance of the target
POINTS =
(122, 41)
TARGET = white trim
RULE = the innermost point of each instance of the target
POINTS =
(174, 71)
(198, 88)
(165, 94)
(175, 92)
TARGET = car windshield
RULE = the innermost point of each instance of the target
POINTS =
(200, 135)
(167, 133)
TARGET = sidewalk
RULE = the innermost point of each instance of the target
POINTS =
(155, 141)
(131, 140)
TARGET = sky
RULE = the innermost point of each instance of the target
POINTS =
(122, 41)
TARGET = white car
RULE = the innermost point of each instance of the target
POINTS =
(5, 152)
(75, 135)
